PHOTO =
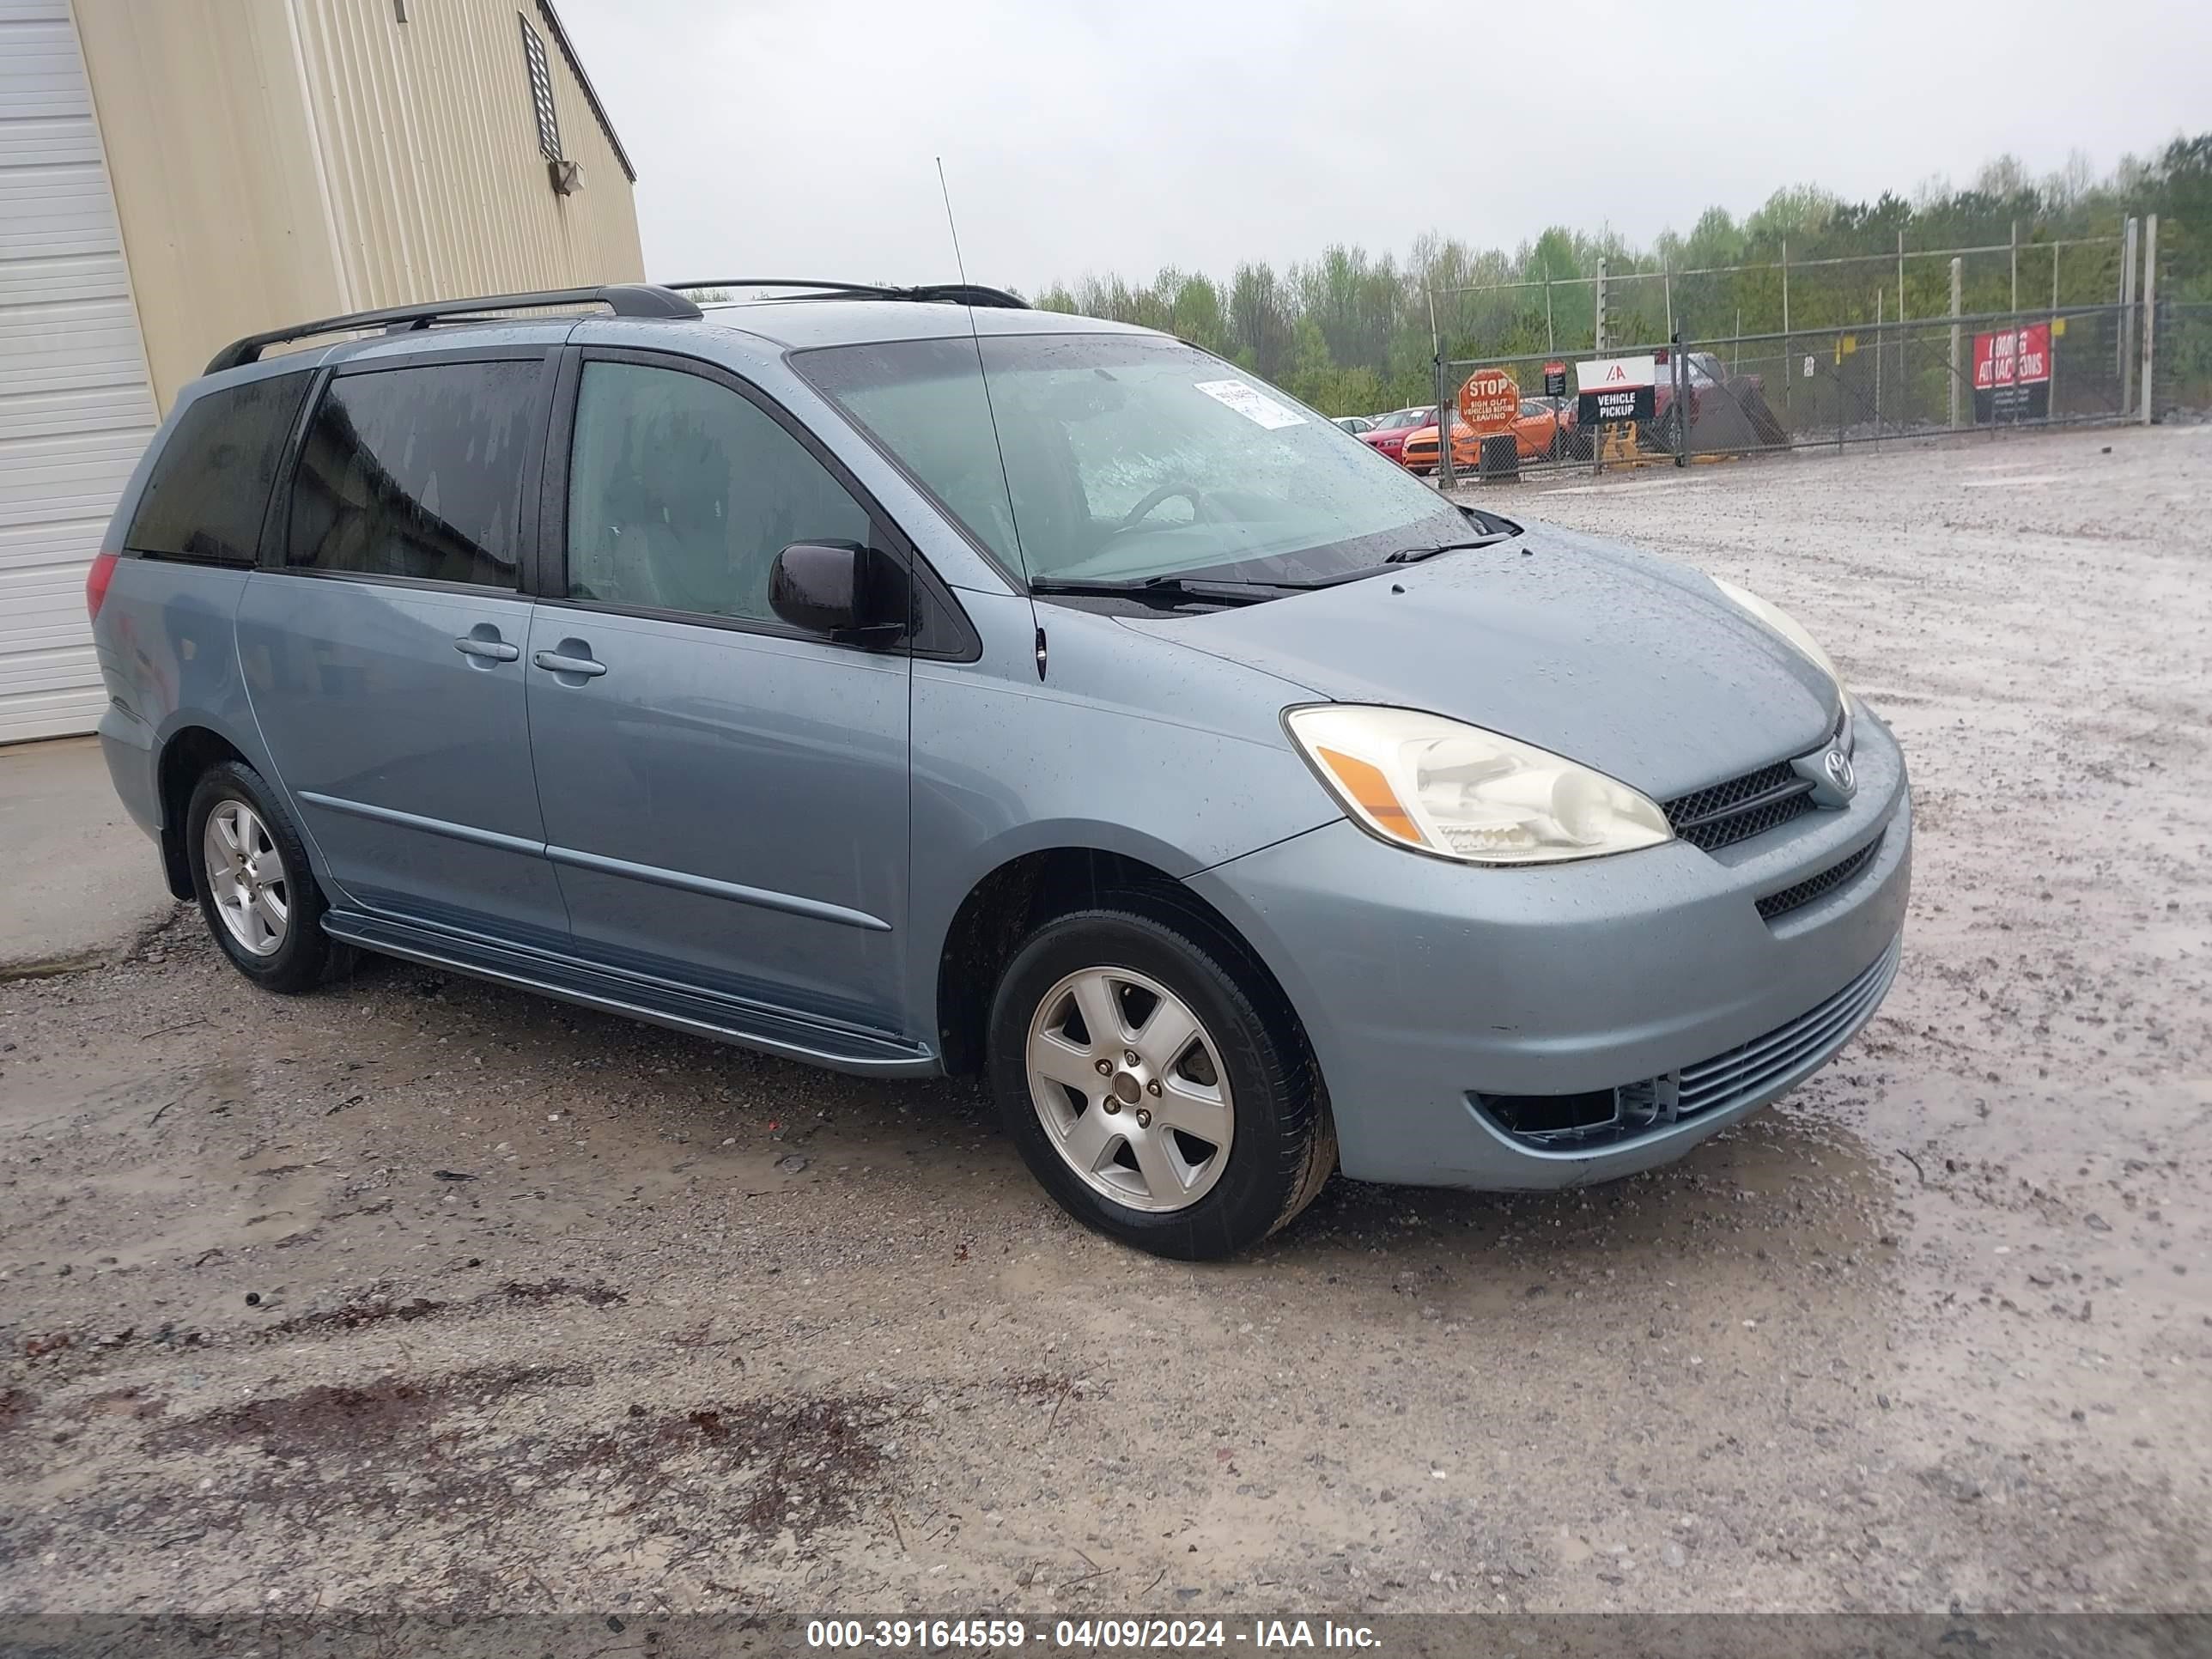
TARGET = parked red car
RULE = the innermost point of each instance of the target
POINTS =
(1390, 432)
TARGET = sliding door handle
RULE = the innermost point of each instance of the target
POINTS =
(560, 662)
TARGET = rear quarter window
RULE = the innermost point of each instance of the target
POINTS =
(210, 485)
(416, 473)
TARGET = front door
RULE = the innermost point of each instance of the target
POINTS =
(725, 797)
(384, 656)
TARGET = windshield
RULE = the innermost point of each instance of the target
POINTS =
(1127, 457)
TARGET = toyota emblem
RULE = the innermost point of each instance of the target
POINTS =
(1837, 765)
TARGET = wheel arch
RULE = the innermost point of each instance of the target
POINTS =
(1021, 893)
(186, 754)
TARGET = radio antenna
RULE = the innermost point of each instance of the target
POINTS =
(990, 408)
(958, 263)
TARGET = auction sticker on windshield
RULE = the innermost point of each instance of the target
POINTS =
(1252, 404)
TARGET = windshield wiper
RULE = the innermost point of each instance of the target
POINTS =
(1166, 590)
(1415, 554)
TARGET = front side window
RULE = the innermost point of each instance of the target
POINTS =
(1117, 458)
(416, 473)
(681, 493)
(209, 486)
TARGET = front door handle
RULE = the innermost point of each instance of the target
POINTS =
(469, 644)
(561, 663)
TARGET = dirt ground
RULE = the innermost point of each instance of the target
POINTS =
(417, 1291)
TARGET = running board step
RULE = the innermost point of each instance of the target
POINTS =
(700, 1013)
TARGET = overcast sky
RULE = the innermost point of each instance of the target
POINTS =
(799, 137)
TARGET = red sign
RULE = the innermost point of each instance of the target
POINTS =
(2018, 356)
(1490, 401)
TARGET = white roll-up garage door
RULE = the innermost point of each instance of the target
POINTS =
(75, 408)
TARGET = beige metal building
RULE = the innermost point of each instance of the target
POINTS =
(174, 174)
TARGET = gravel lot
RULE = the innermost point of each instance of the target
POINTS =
(420, 1292)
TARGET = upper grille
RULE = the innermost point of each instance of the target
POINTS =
(1825, 881)
(1736, 810)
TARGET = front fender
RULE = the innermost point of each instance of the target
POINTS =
(1132, 743)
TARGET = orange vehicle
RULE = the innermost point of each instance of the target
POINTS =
(1541, 432)
(1419, 454)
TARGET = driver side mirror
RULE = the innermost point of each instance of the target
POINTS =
(854, 594)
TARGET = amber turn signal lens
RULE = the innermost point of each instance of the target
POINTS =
(1366, 786)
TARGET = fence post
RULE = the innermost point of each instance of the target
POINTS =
(2127, 330)
(1446, 478)
(1681, 369)
(2149, 308)
(1597, 315)
(2016, 275)
(1785, 326)
(1958, 285)
(2051, 409)
(1878, 296)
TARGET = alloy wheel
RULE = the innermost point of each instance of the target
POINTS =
(1130, 1088)
(246, 875)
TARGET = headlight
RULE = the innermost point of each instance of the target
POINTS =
(1786, 625)
(1459, 791)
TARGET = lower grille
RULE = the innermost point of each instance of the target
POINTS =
(1811, 1037)
(1826, 881)
(1588, 1122)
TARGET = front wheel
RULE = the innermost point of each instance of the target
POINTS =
(1156, 1082)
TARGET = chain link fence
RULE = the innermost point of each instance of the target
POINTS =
(2077, 336)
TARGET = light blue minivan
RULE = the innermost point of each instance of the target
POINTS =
(908, 681)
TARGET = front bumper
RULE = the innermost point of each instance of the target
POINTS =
(1423, 984)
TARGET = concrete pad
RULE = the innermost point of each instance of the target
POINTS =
(78, 879)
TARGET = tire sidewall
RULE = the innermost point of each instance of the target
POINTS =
(1260, 1182)
(299, 961)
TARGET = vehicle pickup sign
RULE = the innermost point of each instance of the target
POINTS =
(1616, 389)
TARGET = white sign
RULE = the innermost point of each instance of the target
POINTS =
(1616, 374)
(1251, 403)
(1808, 366)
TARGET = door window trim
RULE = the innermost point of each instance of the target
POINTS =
(276, 526)
(942, 632)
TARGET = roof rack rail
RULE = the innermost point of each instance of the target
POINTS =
(958, 293)
(624, 299)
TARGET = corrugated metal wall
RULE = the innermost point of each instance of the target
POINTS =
(75, 408)
(211, 156)
(279, 160)
(431, 152)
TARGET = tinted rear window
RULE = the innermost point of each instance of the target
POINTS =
(210, 482)
(416, 472)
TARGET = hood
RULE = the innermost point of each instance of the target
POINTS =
(1623, 662)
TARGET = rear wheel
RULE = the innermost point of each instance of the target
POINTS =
(1155, 1082)
(250, 873)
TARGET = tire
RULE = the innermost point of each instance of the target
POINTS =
(288, 959)
(1280, 1141)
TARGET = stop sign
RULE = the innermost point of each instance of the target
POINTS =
(1490, 401)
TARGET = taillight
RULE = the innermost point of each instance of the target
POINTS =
(95, 583)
